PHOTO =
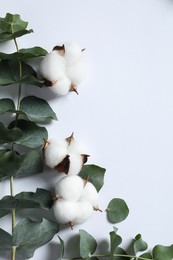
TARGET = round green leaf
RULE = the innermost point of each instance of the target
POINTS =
(30, 235)
(117, 210)
(32, 164)
(6, 105)
(37, 109)
(163, 252)
(6, 240)
(95, 174)
(88, 244)
(139, 244)
(33, 135)
(10, 163)
(115, 241)
(9, 135)
(24, 54)
(10, 73)
(12, 23)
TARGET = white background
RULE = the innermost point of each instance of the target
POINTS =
(124, 110)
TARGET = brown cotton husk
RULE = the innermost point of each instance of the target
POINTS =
(60, 49)
(64, 165)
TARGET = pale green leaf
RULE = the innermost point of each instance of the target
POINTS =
(12, 23)
(6, 105)
(95, 175)
(30, 235)
(6, 240)
(37, 109)
(161, 252)
(88, 244)
(117, 210)
(139, 244)
(9, 135)
(33, 135)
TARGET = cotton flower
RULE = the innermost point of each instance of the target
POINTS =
(54, 152)
(84, 212)
(69, 188)
(52, 67)
(63, 69)
(90, 194)
(65, 211)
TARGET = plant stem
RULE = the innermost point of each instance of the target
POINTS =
(108, 255)
(13, 211)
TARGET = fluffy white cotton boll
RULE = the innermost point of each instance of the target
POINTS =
(76, 163)
(77, 147)
(52, 66)
(55, 152)
(76, 72)
(62, 86)
(90, 194)
(84, 212)
(73, 52)
(69, 187)
(65, 211)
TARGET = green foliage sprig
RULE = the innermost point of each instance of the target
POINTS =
(21, 143)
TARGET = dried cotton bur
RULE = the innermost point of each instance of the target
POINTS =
(75, 198)
(64, 68)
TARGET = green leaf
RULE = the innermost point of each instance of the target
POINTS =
(32, 164)
(163, 252)
(95, 174)
(24, 54)
(9, 135)
(6, 240)
(37, 109)
(10, 73)
(10, 163)
(6, 105)
(29, 235)
(88, 244)
(117, 210)
(62, 247)
(11, 36)
(40, 199)
(12, 23)
(146, 255)
(139, 244)
(115, 241)
(33, 135)
(119, 251)
(4, 212)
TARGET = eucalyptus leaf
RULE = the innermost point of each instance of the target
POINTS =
(6, 105)
(117, 210)
(139, 244)
(4, 212)
(11, 36)
(88, 244)
(146, 255)
(12, 23)
(118, 254)
(95, 174)
(10, 73)
(161, 252)
(24, 54)
(32, 164)
(115, 241)
(41, 198)
(9, 135)
(29, 235)
(5, 240)
(10, 163)
(33, 135)
(62, 247)
(37, 109)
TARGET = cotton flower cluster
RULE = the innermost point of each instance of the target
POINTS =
(75, 198)
(63, 69)
(67, 155)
